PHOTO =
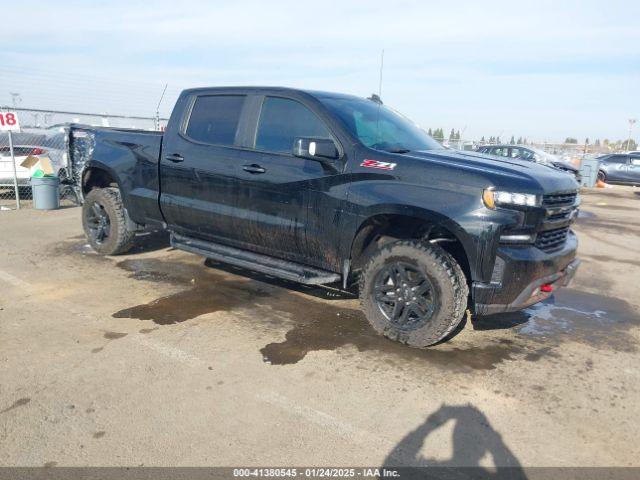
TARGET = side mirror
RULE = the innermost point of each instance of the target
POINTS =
(319, 149)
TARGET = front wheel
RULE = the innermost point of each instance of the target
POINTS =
(104, 222)
(413, 292)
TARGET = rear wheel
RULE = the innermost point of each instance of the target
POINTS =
(413, 292)
(601, 176)
(104, 222)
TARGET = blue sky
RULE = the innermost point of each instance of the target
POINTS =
(542, 69)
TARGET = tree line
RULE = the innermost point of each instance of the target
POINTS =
(454, 136)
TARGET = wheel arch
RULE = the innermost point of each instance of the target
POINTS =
(384, 227)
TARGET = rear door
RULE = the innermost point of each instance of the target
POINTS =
(633, 171)
(198, 167)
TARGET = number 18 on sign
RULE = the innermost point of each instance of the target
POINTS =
(9, 123)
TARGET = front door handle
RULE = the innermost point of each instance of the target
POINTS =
(253, 168)
(175, 158)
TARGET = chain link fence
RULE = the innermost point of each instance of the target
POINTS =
(48, 145)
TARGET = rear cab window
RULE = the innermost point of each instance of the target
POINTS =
(214, 119)
(282, 120)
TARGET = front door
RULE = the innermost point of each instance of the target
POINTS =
(289, 204)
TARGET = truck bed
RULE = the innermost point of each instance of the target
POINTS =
(131, 156)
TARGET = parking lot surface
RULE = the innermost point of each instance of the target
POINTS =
(156, 358)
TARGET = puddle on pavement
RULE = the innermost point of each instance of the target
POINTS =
(181, 306)
(582, 214)
(584, 317)
(316, 325)
(207, 293)
(330, 325)
(114, 335)
(330, 328)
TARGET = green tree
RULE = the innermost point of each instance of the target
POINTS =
(482, 140)
(519, 140)
(513, 140)
(457, 134)
(586, 141)
(452, 135)
(597, 142)
(570, 140)
(430, 132)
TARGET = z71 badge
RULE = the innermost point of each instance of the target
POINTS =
(379, 165)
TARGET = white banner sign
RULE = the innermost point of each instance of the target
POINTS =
(9, 121)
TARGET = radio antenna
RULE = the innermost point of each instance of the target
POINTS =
(381, 67)
(158, 107)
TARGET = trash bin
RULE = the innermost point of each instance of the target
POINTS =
(45, 191)
(589, 171)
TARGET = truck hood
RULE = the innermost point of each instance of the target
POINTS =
(512, 173)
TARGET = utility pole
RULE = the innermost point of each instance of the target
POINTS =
(381, 67)
(15, 98)
(632, 122)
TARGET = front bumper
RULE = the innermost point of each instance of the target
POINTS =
(521, 273)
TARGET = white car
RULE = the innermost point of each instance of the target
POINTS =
(25, 145)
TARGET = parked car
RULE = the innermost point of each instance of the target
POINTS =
(623, 168)
(533, 155)
(25, 144)
(320, 188)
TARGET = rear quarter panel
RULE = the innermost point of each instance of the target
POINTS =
(131, 157)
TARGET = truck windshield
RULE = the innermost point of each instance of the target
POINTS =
(379, 127)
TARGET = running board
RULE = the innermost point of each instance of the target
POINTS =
(254, 261)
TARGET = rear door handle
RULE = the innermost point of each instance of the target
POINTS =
(253, 168)
(175, 158)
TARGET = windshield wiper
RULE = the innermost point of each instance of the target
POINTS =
(398, 150)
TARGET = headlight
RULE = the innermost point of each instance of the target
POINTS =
(491, 198)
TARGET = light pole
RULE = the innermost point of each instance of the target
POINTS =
(15, 98)
(632, 122)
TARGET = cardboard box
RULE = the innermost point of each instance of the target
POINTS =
(34, 164)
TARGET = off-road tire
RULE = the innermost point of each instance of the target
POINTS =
(446, 276)
(120, 238)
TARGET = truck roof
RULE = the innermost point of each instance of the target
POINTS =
(267, 89)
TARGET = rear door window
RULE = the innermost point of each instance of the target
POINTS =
(617, 159)
(214, 119)
(282, 121)
(501, 151)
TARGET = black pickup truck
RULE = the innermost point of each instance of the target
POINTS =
(321, 188)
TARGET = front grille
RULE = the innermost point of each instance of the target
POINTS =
(559, 216)
(559, 199)
(552, 240)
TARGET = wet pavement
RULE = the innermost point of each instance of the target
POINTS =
(160, 344)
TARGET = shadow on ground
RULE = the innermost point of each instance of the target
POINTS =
(473, 440)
